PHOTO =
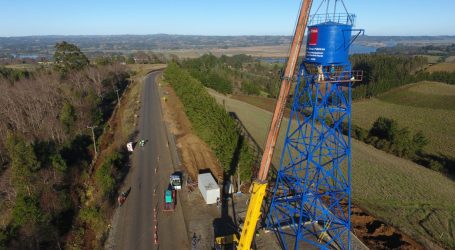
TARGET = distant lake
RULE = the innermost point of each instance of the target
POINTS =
(25, 56)
(361, 49)
(355, 49)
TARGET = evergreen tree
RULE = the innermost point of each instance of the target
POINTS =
(68, 117)
(23, 162)
(68, 57)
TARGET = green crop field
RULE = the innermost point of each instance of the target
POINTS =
(426, 106)
(419, 201)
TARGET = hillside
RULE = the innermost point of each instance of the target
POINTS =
(426, 106)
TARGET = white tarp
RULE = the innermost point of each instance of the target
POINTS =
(209, 188)
(129, 146)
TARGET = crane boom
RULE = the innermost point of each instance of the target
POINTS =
(260, 184)
(284, 90)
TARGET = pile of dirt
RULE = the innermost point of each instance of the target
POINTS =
(196, 154)
(378, 235)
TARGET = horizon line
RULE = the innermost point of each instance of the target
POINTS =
(168, 34)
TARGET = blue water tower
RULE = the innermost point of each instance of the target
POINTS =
(328, 43)
(312, 194)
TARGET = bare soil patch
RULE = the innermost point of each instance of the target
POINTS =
(378, 235)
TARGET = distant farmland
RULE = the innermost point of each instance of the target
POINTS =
(419, 201)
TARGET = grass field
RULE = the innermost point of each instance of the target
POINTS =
(426, 106)
(419, 201)
(445, 66)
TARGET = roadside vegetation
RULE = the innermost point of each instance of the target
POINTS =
(46, 148)
(211, 122)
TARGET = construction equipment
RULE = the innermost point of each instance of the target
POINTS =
(169, 200)
(260, 184)
(175, 180)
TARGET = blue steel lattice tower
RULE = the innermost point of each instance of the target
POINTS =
(310, 205)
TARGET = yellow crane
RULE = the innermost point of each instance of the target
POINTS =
(260, 183)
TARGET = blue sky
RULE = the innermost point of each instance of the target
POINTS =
(213, 17)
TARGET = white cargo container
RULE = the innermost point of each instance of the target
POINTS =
(208, 187)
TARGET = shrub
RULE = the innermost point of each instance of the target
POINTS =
(24, 162)
(93, 218)
(3, 239)
(385, 134)
(250, 88)
(359, 133)
(58, 163)
(104, 178)
(436, 166)
(68, 117)
(246, 161)
(384, 128)
(27, 211)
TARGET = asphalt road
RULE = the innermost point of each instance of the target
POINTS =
(134, 222)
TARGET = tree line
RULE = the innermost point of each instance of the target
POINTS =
(384, 72)
(211, 122)
(443, 50)
(45, 146)
(238, 74)
(241, 74)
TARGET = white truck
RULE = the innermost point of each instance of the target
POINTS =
(175, 180)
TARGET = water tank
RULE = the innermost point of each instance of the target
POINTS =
(328, 43)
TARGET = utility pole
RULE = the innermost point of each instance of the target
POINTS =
(118, 97)
(93, 136)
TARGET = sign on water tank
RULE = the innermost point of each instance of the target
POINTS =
(313, 36)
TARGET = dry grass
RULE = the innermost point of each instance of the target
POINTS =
(445, 66)
(425, 106)
(417, 200)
